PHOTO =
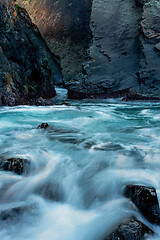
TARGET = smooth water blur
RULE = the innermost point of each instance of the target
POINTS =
(79, 167)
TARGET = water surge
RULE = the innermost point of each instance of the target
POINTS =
(79, 167)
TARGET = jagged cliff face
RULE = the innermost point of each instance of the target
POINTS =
(107, 48)
(66, 29)
(27, 68)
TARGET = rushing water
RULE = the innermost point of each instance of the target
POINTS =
(79, 167)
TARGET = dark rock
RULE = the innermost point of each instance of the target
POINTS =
(28, 69)
(131, 229)
(16, 165)
(43, 125)
(145, 198)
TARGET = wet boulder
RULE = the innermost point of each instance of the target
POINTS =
(131, 229)
(16, 165)
(43, 126)
(145, 198)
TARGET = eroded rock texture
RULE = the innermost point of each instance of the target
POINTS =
(107, 48)
(27, 68)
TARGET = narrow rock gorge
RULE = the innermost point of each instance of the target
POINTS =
(107, 48)
(75, 163)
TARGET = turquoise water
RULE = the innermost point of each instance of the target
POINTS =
(79, 167)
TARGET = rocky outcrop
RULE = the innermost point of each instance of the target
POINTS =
(107, 48)
(131, 229)
(27, 67)
(145, 198)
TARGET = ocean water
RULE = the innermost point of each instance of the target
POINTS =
(79, 167)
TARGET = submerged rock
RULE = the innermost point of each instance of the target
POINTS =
(28, 69)
(16, 165)
(16, 212)
(145, 198)
(50, 191)
(131, 229)
(43, 125)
